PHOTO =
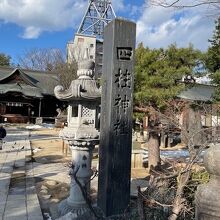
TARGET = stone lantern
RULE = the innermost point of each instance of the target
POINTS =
(81, 133)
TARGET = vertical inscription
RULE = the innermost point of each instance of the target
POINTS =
(123, 90)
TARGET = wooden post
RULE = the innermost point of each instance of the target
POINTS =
(29, 114)
(116, 117)
(39, 110)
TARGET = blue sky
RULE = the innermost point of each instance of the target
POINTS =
(26, 24)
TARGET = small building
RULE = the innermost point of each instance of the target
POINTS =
(26, 95)
(203, 95)
(198, 92)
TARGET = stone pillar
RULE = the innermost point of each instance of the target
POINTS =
(207, 197)
(116, 117)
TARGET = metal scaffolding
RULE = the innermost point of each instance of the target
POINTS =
(98, 14)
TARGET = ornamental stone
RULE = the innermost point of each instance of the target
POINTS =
(207, 197)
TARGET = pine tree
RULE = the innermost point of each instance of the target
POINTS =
(157, 73)
(213, 54)
(212, 60)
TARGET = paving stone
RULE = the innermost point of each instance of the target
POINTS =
(31, 197)
(35, 218)
(31, 190)
(13, 212)
(4, 185)
(16, 198)
(2, 161)
(4, 175)
(15, 204)
(30, 183)
(1, 215)
(2, 207)
(33, 209)
(20, 164)
(17, 191)
(3, 200)
(20, 202)
(22, 217)
(3, 195)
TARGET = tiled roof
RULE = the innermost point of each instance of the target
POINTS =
(24, 89)
(42, 82)
(198, 92)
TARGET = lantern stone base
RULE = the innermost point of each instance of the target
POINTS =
(80, 173)
(64, 208)
(86, 215)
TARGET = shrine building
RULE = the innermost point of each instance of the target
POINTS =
(27, 95)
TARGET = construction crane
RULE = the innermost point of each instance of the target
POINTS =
(90, 33)
(98, 14)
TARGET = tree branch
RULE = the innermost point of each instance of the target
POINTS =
(175, 4)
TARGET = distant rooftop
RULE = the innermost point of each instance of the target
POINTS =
(37, 83)
(198, 92)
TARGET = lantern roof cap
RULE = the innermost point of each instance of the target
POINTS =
(83, 88)
(80, 89)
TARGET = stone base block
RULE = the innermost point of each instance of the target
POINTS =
(207, 199)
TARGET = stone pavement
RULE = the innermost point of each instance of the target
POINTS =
(18, 198)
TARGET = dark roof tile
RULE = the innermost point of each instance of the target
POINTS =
(45, 82)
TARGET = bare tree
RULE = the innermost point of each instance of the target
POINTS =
(51, 60)
(177, 178)
(67, 72)
(41, 59)
(213, 6)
